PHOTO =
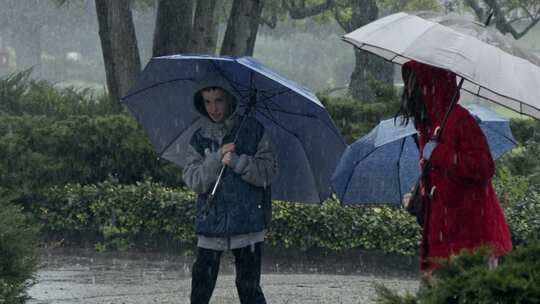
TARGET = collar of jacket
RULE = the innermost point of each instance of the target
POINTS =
(218, 130)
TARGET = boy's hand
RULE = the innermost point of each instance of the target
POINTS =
(227, 148)
(227, 158)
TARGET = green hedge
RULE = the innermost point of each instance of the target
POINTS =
(67, 165)
(120, 214)
(18, 252)
(467, 279)
(354, 119)
(21, 95)
(117, 214)
(38, 152)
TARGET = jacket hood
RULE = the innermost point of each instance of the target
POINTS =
(438, 87)
(220, 83)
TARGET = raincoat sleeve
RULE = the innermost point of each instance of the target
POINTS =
(260, 169)
(468, 156)
(200, 172)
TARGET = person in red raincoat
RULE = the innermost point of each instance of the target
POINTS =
(461, 209)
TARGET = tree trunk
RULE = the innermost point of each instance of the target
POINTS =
(368, 67)
(174, 22)
(242, 28)
(119, 45)
(205, 28)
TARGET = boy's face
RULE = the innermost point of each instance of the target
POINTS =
(216, 105)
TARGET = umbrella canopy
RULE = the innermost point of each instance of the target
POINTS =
(307, 141)
(492, 67)
(384, 164)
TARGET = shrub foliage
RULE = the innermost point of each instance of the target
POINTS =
(18, 252)
(468, 279)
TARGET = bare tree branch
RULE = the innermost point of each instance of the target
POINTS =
(301, 12)
(503, 25)
(271, 22)
(346, 26)
(479, 11)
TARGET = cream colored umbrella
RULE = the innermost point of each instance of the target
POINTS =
(492, 66)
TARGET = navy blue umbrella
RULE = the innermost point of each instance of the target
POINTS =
(384, 164)
(307, 141)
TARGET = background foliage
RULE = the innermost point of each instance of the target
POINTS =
(467, 279)
(86, 170)
(18, 252)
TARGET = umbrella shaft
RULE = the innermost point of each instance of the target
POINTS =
(234, 141)
(217, 181)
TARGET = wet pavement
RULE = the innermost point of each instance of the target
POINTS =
(84, 276)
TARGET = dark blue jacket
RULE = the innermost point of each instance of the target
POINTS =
(238, 206)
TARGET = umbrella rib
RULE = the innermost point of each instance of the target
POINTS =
(155, 85)
(272, 119)
(332, 128)
(269, 112)
(302, 115)
(177, 136)
(289, 112)
(279, 108)
(231, 82)
(269, 109)
(501, 134)
(269, 98)
(354, 168)
(301, 144)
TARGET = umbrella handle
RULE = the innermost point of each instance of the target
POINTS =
(211, 196)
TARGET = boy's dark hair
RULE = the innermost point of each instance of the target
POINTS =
(199, 102)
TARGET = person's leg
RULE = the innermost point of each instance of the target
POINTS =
(493, 262)
(204, 275)
(248, 274)
(426, 281)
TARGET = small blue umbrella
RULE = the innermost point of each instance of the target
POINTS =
(384, 164)
(307, 141)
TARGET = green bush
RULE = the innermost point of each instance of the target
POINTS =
(337, 227)
(523, 219)
(467, 279)
(355, 119)
(526, 130)
(40, 151)
(18, 253)
(21, 95)
(520, 199)
(523, 161)
(120, 214)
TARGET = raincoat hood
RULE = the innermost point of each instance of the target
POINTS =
(199, 105)
(438, 87)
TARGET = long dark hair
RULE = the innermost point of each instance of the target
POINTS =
(412, 102)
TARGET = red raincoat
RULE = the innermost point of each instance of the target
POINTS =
(464, 211)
